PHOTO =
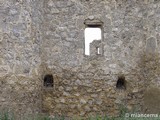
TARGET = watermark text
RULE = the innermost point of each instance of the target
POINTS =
(139, 115)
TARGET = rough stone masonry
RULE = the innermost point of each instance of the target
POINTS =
(44, 69)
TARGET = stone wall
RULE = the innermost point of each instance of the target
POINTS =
(87, 84)
(47, 37)
(20, 43)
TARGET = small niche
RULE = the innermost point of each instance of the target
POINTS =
(121, 83)
(48, 80)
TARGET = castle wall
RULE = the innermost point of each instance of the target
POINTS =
(20, 42)
(47, 37)
(87, 84)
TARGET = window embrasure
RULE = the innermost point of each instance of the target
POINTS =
(93, 37)
(48, 81)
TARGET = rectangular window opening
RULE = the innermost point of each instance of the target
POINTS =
(92, 33)
(98, 51)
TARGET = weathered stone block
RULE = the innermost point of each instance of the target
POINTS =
(4, 69)
(151, 45)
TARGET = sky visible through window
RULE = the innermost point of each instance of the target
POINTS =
(90, 35)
